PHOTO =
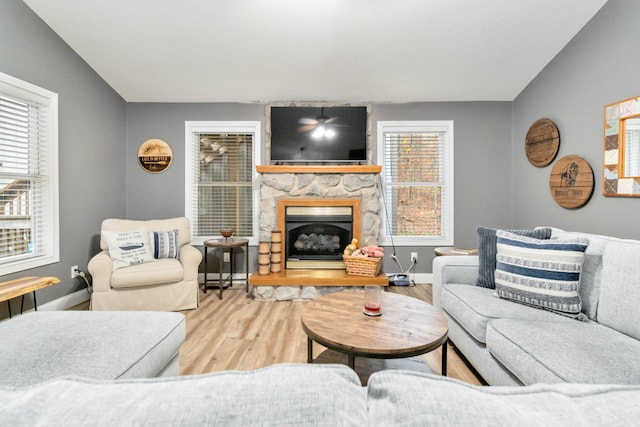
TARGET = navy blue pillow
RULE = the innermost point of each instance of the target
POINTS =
(487, 241)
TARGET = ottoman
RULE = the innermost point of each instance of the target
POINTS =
(42, 345)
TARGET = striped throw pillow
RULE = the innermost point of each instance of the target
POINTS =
(165, 244)
(540, 273)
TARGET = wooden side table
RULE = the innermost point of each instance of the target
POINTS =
(447, 251)
(225, 244)
(22, 286)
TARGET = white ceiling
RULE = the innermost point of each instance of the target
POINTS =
(321, 50)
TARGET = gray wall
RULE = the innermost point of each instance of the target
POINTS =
(482, 167)
(598, 67)
(161, 195)
(91, 139)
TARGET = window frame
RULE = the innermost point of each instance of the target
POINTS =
(253, 127)
(50, 234)
(421, 126)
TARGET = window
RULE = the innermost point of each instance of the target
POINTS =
(28, 176)
(417, 178)
(221, 160)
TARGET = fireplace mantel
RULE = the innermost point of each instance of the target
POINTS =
(318, 169)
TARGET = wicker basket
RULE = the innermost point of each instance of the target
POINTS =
(362, 266)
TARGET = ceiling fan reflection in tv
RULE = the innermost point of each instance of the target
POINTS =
(318, 134)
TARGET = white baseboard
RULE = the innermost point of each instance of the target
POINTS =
(65, 302)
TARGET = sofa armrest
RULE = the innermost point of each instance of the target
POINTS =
(453, 269)
(190, 258)
(100, 267)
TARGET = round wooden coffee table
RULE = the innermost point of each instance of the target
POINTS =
(407, 327)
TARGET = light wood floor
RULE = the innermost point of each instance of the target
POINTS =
(240, 333)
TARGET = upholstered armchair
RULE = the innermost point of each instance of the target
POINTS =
(127, 277)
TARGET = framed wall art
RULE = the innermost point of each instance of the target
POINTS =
(621, 169)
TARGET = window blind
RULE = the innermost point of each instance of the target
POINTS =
(222, 183)
(415, 183)
(26, 175)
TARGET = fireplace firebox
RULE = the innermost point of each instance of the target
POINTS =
(315, 236)
(316, 232)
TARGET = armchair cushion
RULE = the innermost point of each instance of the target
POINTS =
(165, 244)
(128, 247)
(166, 270)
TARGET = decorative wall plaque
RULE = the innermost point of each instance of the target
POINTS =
(155, 155)
(542, 142)
(571, 182)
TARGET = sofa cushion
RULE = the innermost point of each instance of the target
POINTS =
(619, 306)
(128, 247)
(165, 244)
(97, 344)
(473, 307)
(487, 251)
(591, 268)
(166, 270)
(418, 399)
(540, 273)
(293, 395)
(576, 352)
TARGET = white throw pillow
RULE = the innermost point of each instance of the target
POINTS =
(128, 247)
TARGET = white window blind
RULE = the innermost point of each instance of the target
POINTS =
(221, 171)
(28, 176)
(417, 181)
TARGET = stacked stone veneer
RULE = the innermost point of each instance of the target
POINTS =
(315, 186)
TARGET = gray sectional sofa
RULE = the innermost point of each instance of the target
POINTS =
(299, 395)
(44, 345)
(515, 344)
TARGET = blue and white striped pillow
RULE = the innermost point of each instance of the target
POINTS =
(540, 273)
(165, 244)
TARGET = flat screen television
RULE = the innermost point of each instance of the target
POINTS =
(318, 134)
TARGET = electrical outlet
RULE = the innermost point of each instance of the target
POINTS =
(75, 272)
(414, 257)
(225, 257)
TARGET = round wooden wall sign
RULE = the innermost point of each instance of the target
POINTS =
(571, 182)
(543, 140)
(155, 155)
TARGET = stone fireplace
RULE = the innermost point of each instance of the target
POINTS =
(337, 187)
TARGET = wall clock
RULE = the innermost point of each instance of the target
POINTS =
(155, 155)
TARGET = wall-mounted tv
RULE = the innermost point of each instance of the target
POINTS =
(318, 134)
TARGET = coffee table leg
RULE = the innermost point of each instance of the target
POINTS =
(352, 361)
(444, 358)
(309, 350)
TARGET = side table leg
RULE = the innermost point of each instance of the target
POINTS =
(246, 267)
(444, 358)
(221, 268)
(309, 350)
(206, 268)
(352, 361)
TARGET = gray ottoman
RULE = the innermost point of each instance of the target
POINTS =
(42, 345)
